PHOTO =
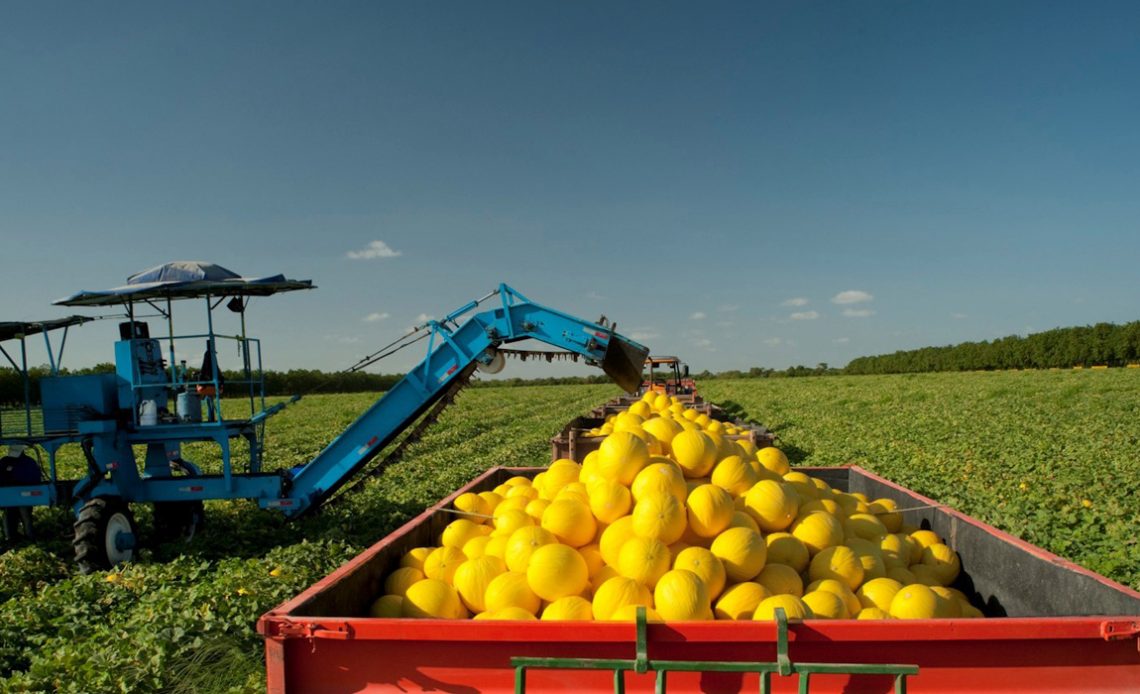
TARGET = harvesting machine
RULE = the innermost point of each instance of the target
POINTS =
(668, 375)
(153, 402)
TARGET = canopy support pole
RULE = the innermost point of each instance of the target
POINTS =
(170, 337)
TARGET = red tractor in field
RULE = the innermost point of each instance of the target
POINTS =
(667, 375)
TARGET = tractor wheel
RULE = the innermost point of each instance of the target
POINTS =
(105, 534)
(177, 520)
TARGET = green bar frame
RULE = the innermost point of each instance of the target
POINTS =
(783, 666)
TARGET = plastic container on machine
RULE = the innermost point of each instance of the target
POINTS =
(148, 413)
(189, 407)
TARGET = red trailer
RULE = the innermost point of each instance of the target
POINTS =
(1053, 626)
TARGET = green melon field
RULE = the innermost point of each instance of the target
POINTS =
(1048, 456)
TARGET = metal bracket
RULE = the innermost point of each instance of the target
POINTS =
(1119, 630)
(641, 660)
(289, 629)
(783, 662)
(342, 631)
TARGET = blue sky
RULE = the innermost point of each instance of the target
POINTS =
(714, 177)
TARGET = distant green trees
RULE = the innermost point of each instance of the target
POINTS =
(547, 381)
(821, 369)
(1101, 344)
(302, 381)
(1104, 343)
(291, 382)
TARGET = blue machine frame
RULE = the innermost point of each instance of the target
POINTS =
(110, 413)
(24, 426)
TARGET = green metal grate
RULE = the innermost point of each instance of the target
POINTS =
(641, 664)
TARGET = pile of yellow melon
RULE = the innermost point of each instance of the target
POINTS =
(670, 514)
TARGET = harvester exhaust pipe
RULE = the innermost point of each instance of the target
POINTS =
(624, 361)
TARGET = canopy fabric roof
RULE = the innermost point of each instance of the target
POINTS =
(183, 271)
(185, 279)
(13, 329)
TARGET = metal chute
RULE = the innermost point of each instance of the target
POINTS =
(623, 362)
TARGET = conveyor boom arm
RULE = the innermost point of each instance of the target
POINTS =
(452, 354)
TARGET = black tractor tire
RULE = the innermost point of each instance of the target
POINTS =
(177, 520)
(101, 521)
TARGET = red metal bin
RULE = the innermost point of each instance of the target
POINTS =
(1065, 629)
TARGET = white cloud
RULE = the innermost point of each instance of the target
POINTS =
(595, 296)
(376, 249)
(643, 334)
(374, 317)
(804, 315)
(727, 308)
(773, 341)
(699, 315)
(726, 324)
(796, 301)
(343, 339)
(858, 312)
(703, 342)
(958, 316)
(842, 340)
(851, 296)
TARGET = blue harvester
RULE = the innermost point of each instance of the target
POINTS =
(152, 401)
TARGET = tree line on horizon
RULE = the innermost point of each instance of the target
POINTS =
(1105, 344)
(277, 383)
(291, 382)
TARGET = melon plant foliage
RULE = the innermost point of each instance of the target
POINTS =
(1048, 456)
(182, 618)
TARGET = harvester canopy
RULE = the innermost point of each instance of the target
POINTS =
(14, 329)
(185, 279)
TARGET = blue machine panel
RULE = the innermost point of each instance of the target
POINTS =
(68, 400)
(138, 363)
